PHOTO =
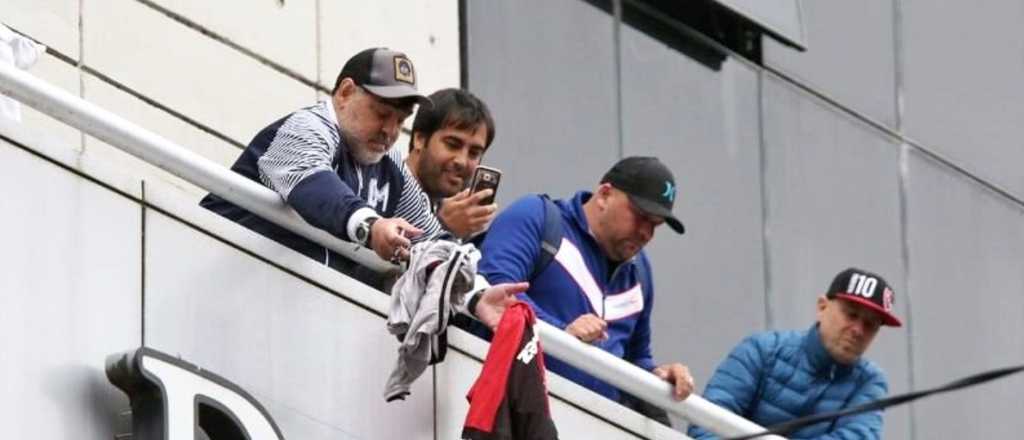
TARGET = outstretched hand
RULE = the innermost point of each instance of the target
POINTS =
(495, 300)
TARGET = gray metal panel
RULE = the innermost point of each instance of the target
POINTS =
(547, 71)
(966, 275)
(832, 189)
(311, 357)
(704, 125)
(963, 93)
(65, 240)
(850, 55)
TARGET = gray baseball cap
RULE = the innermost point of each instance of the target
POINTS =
(384, 73)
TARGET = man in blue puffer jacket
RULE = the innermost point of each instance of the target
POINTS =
(773, 377)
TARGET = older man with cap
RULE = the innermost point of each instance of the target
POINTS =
(329, 161)
(776, 376)
(598, 285)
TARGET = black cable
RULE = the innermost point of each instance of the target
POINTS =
(792, 425)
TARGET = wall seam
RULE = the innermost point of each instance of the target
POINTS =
(769, 317)
(142, 286)
(318, 45)
(617, 47)
(463, 44)
(433, 372)
(78, 64)
(904, 201)
(904, 212)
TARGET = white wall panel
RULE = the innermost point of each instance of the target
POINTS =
(69, 296)
(290, 343)
(428, 32)
(282, 31)
(51, 22)
(157, 121)
(186, 71)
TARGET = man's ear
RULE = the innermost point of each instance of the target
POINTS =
(419, 141)
(346, 90)
(603, 194)
(820, 307)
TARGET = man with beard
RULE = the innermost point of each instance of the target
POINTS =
(776, 376)
(598, 286)
(449, 139)
(329, 161)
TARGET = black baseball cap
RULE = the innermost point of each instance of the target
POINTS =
(384, 73)
(867, 289)
(649, 185)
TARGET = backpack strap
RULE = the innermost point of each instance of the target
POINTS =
(550, 237)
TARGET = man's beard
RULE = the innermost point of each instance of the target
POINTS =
(430, 175)
(364, 156)
(361, 151)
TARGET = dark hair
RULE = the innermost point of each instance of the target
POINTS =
(454, 108)
(358, 68)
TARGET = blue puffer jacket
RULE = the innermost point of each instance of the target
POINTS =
(774, 377)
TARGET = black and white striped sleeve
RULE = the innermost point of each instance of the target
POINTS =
(414, 205)
(302, 146)
(298, 166)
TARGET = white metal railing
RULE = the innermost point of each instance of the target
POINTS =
(174, 159)
(266, 203)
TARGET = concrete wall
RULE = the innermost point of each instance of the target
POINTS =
(892, 144)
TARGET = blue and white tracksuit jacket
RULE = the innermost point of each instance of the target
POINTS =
(578, 281)
(774, 377)
(304, 158)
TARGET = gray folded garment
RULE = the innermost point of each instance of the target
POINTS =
(423, 301)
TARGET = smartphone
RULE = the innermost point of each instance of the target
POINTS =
(486, 178)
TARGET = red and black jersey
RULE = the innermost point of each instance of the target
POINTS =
(509, 401)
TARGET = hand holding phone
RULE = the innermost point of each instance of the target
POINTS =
(485, 178)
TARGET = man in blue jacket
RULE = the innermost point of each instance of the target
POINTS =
(773, 377)
(598, 286)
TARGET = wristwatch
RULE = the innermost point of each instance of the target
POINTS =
(363, 230)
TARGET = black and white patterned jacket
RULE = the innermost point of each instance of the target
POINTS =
(304, 158)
